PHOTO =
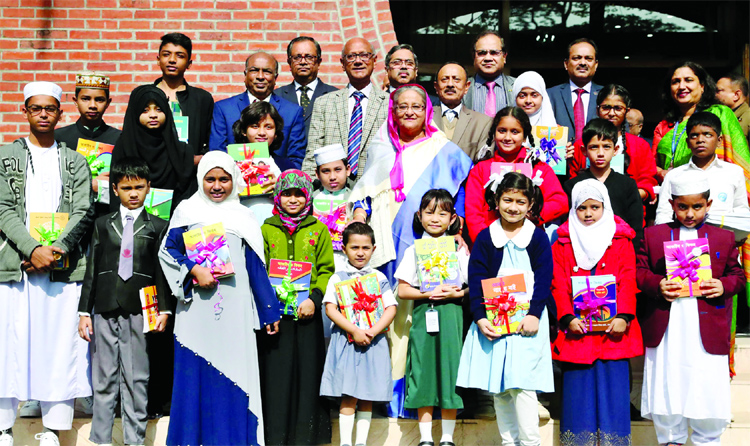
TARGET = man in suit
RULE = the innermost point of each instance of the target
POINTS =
(261, 71)
(303, 56)
(490, 90)
(350, 116)
(731, 90)
(574, 102)
(402, 68)
(467, 128)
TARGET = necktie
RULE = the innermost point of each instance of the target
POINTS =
(489, 105)
(304, 100)
(125, 268)
(579, 120)
(355, 132)
(450, 114)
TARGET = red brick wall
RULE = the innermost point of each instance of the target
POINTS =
(55, 39)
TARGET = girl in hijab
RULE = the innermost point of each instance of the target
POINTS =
(531, 95)
(292, 361)
(149, 133)
(595, 242)
(217, 398)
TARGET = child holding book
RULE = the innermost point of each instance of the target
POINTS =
(687, 339)
(358, 370)
(217, 398)
(596, 393)
(513, 366)
(510, 128)
(432, 358)
(600, 141)
(120, 265)
(292, 362)
(332, 172)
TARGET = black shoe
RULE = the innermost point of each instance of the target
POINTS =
(427, 443)
(447, 443)
(635, 414)
(155, 415)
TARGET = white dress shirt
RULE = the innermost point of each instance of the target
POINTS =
(728, 191)
(252, 98)
(585, 97)
(297, 89)
(124, 212)
(444, 108)
(366, 100)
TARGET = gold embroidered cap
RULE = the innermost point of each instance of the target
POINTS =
(92, 80)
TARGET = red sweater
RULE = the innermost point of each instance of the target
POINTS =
(642, 166)
(478, 213)
(619, 260)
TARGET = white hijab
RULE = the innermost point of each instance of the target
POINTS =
(199, 209)
(545, 115)
(590, 242)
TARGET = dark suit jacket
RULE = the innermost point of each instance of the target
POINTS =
(103, 289)
(562, 105)
(471, 129)
(292, 150)
(290, 94)
(715, 315)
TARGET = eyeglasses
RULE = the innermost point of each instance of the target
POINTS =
(36, 109)
(606, 108)
(365, 57)
(416, 108)
(408, 63)
(495, 53)
(307, 58)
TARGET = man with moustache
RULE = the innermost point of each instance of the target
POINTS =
(261, 71)
(350, 116)
(402, 68)
(466, 128)
(303, 55)
(574, 102)
(490, 90)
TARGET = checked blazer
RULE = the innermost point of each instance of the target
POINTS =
(330, 124)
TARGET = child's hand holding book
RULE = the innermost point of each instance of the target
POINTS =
(306, 309)
(712, 288)
(445, 291)
(617, 327)
(487, 329)
(529, 326)
(204, 276)
(669, 289)
(577, 326)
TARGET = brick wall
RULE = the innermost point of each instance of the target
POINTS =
(55, 39)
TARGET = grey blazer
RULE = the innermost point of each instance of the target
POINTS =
(471, 132)
(507, 86)
(289, 93)
(330, 124)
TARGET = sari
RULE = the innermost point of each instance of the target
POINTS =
(430, 163)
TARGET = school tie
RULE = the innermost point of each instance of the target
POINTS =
(489, 105)
(125, 268)
(579, 120)
(355, 132)
(450, 114)
(304, 100)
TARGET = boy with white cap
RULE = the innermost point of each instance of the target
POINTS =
(41, 357)
(686, 373)
(332, 172)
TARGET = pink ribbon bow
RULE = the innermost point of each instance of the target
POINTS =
(688, 265)
(331, 221)
(207, 251)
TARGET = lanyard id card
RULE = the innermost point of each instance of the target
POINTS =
(432, 321)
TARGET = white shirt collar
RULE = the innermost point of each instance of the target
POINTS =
(252, 98)
(715, 163)
(365, 91)
(134, 212)
(574, 87)
(444, 108)
(312, 85)
(353, 270)
(522, 239)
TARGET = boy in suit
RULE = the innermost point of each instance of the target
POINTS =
(686, 374)
(123, 260)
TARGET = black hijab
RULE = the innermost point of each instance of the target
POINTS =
(169, 160)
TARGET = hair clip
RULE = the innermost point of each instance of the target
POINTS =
(538, 180)
(495, 180)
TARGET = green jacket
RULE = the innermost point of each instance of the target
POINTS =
(16, 244)
(310, 242)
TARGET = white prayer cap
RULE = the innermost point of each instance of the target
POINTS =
(690, 182)
(329, 154)
(42, 88)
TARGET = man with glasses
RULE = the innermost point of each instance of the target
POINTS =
(41, 358)
(491, 90)
(574, 102)
(350, 116)
(402, 68)
(304, 57)
(261, 71)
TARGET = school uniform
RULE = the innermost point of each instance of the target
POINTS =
(686, 374)
(120, 370)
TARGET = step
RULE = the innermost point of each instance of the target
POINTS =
(383, 432)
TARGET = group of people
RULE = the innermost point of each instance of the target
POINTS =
(228, 361)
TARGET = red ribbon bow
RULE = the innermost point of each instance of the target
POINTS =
(503, 304)
(251, 172)
(364, 301)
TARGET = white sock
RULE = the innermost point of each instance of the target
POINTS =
(448, 427)
(346, 425)
(363, 427)
(425, 431)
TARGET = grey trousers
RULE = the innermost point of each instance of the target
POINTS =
(119, 368)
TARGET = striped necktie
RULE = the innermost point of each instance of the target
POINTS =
(355, 132)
